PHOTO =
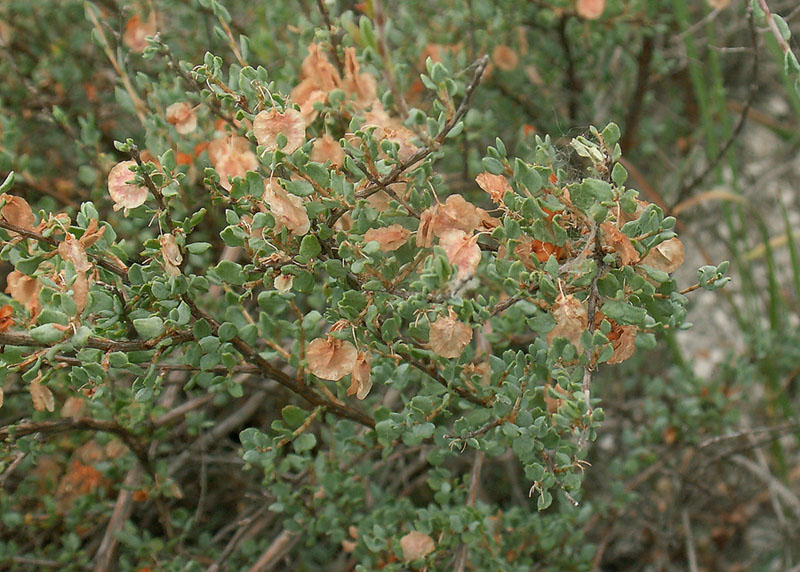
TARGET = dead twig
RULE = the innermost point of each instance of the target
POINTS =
(106, 552)
(688, 188)
(279, 548)
(691, 554)
(472, 493)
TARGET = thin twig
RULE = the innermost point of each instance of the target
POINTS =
(773, 27)
(472, 493)
(13, 339)
(592, 302)
(182, 410)
(789, 425)
(304, 390)
(688, 188)
(775, 486)
(573, 85)
(642, 80)
(225, 426)
(400, 168)
(153, 188)
(337, 58)
(138, 105)
(257, 521)
(279, 548)
(691, 554)
(191, 82)
(27, 233)
(78, 423)
(106, 552)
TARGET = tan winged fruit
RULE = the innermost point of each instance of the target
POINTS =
(330, 358)
(449, 336)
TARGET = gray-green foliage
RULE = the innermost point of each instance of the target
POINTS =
(179, 309)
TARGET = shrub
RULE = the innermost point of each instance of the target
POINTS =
(318, 267)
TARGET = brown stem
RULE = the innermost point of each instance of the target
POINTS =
(192, 83)
(688, 188)
(323, 9)
(102, 262)
(153, 188)
(304, 390)
(642, 79)
(60, 425)
(573, 85)
(13, 339)
(472, 493)
(400, 168)
(431, 371)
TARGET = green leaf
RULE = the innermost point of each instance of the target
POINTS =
(624, 313)
(310, 246)
(367, 33)
(168, 160)
(527, 176)
(610, 134)
(198, 247)
(46, 334)
(227, 331)
(619, 174)
(8, 183)
(494, 166)
(230, 271)
(545, 500)
(118, 359)
(790, 63)
(300, 188)
(783, 27)
(81, 336)
(304, 442)
(294, 416)
(303, 282)
(149, 328)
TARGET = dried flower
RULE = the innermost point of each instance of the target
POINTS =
(457, 213)
(182, 116)
(505, 58)
(231, 156)
(124, 191)
(462, 250)
(590, 9)
(171, 254)
(25, 290)
(326, 148)
(623, 340)
(283, 283)
(92, 234)
(41, 396)
(71, 249)
(361, 85)
(416, 545)
(6, 319)
(317, 68)
(449, 336)
(306, 94)
(496, 185)
(269, 124)
(390, 238)
(620, 243)
(361, 382)
(571, 320)
(667, 256)
(137, 30)
(330, 358)
(287, 209)
(17, 211)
